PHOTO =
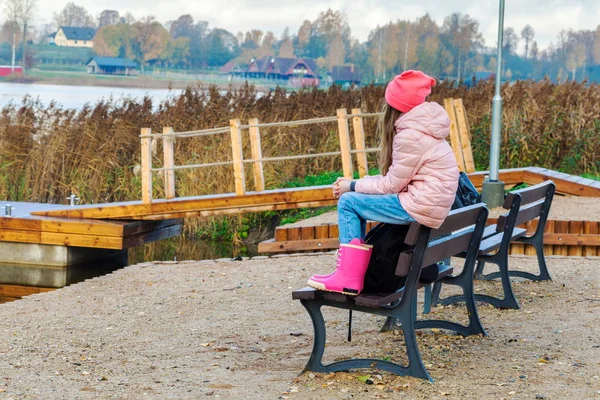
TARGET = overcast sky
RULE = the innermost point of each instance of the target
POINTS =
(547, 17)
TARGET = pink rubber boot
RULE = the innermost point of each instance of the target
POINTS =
(355, 241)
(352, 265)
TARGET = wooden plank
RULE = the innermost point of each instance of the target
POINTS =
(24, 224)
(96, 242)
(281, 234)
(85, 227)
(359, 143)
(259, 179)
(237, 156)
(575, 227)
(298, 245)
(18, 291)
(307, 232)
(344, 134)
(20, 236)
(169, 162)
(289, 198)
(135, 227)
(590, 228)
(571, 239)
(561, 228)
(454, 135)
(322, 231)
(294, 233)
(549, 228)
(334, 231)
(465, 135)
(146, 162)
(563, 184)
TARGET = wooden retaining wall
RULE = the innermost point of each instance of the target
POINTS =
(563, 238)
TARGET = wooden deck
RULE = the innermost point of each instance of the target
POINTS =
(24, 226)
(567, 238)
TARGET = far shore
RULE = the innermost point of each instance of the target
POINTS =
(141, 82)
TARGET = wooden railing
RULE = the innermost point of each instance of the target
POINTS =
(235, 128)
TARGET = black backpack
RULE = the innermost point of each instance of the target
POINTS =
(388, 242)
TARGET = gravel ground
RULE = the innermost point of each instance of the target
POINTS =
(229, 329)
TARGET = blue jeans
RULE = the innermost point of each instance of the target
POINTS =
(355, 209)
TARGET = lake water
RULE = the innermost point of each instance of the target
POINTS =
(76, 96)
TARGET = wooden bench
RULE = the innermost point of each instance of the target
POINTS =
(523, 205)
(461, 232)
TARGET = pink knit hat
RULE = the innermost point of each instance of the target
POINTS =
(408, 90)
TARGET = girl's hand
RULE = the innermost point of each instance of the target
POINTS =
(341, 186)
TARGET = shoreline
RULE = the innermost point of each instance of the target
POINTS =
(132, 82)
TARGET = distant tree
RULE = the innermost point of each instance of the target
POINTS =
(115, 41)
(575, 58)
(534, 52)
(596, 50)
(74, 15)
(108, 17)
(511, 41)
(42, 33)
(303, 37)
(182, 27)
(177, 51)
(221, 47)
(127, 18)
(527, 34)
(12, 10)
(286, 49)
(462, 33)
(336, 53)
(151, 40)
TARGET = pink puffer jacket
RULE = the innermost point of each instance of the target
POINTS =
(424, 171)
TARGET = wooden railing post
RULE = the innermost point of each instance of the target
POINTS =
(236, 152)
(259, 179)
(169, 162)
(146, 148)
(359, 143)
(345, 142)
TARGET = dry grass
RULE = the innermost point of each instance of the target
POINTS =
(47, 153)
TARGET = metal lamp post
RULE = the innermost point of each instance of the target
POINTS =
(493, 189)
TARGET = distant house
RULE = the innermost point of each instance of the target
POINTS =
(345, 75)
(293, 71)
(70, 36)
(110, 66)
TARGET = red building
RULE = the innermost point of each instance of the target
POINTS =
(6, 70)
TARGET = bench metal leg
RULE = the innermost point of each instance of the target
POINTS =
(509, 301)
(415, 365)
(465, 281)
(544, 274)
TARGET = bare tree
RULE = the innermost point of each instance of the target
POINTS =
(74, 15)
(108, 17)
(18, 13)
(527, 35)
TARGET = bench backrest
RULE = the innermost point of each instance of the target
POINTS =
(461, 232)
(525, 205)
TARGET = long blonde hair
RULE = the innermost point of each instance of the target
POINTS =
(387, 130)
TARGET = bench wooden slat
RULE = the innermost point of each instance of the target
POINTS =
(457, 219)
(528, 195)
(493, 242)
(529, 212)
